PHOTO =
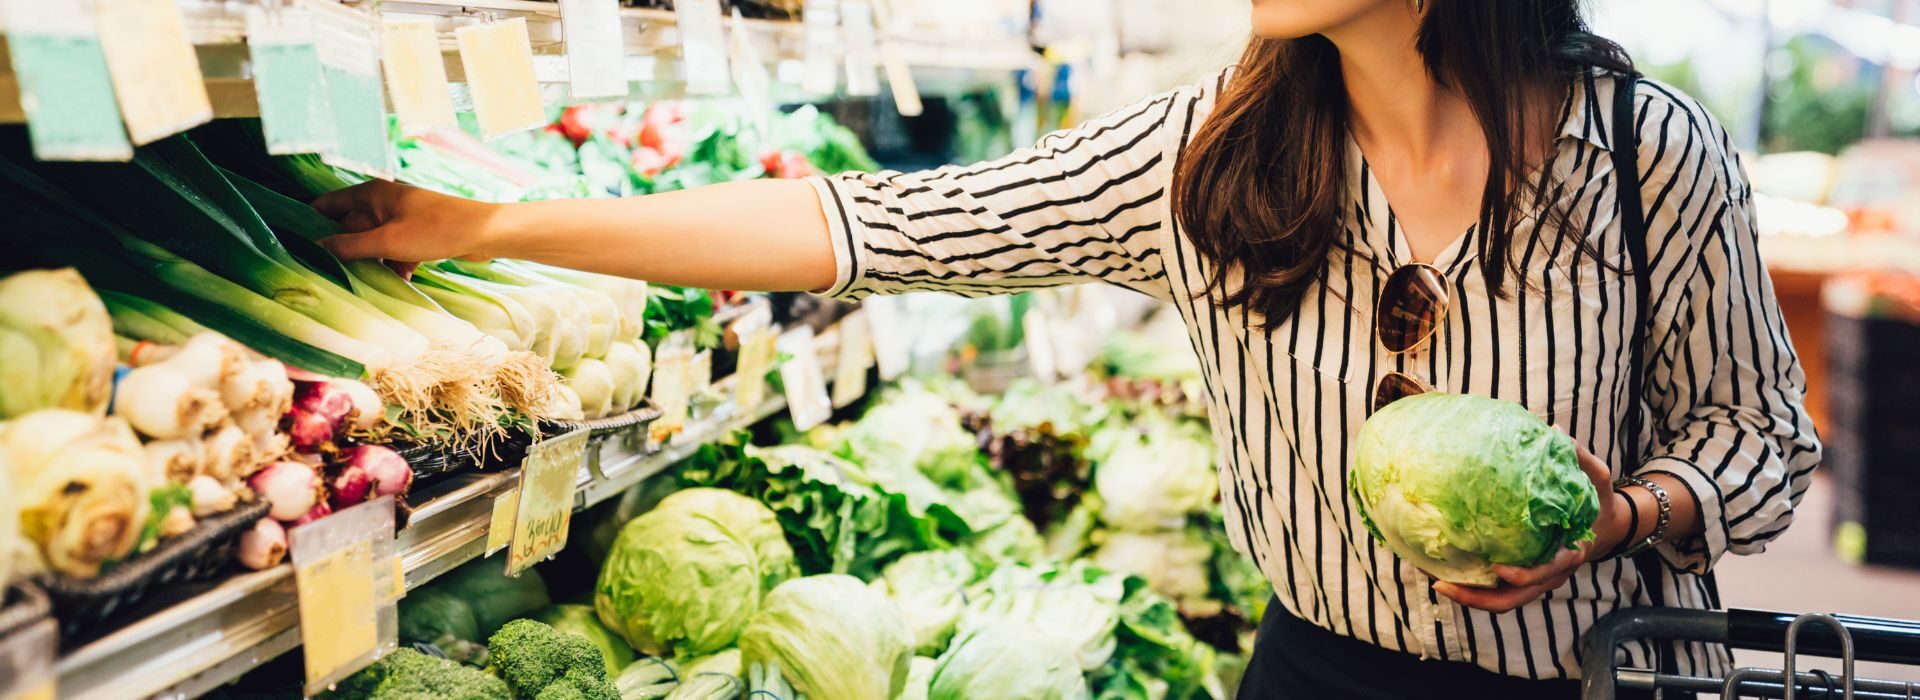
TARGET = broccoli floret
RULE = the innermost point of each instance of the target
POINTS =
(531, 656)
(406, 674)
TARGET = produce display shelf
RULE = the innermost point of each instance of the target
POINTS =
(212, 637)
(943, 65)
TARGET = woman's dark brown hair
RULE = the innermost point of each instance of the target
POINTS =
(1262, 187)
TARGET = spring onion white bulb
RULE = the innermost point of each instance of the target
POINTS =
(210, 496)
(164, 403)
(228, 454)
(173, 461)
(209, 361)
(593, 382)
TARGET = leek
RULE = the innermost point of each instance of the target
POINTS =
(130, 321)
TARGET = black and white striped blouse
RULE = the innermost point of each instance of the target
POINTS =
(1725, 388)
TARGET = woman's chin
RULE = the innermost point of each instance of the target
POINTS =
(1292, 19)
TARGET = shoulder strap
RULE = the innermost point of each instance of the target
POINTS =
(1633, 225)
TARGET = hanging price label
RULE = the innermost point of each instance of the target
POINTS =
(349, 42)
(65, 88)
(287, 81)
(757, 336)
(855, 358)
(750, 73)
(906, 93)
(416, 76)
(545, 506)
(500, 526)
(26, 660)
(863, 49)
(498, 60)
(820, 20)
(596, 54)
(891, 349)
(700, 372)
(672, 384)
(703, 46)
(343, 577)
(805, 382)
(156, 75)
(1038, 330)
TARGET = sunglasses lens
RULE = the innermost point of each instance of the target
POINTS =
(1411, 305)
(1394, 387)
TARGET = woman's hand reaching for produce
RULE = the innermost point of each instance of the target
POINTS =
(406, 225)
(1523, 584)
(758, 235)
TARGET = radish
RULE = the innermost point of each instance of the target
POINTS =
(263, 546)
(292, 488)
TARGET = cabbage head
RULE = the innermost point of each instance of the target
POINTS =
(930, 590)
(832, 638)
(1008, 660)
(686, 576)
(1456, 483)
(1150, 481)
(1078, 605)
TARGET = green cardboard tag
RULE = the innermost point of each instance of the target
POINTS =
(294, 112)
(65, 88)
(349, 43)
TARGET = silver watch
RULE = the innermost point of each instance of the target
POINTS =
(1660, 521)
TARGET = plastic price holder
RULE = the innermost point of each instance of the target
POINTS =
(26, 661)
(703, 47)
(64, 86)
(820, 23)
(1037, 327)
(891, 349)
(343, 575)
(416, 76)
(156, 74)
(757, 336)
(672, 384)
(750, 73)
(700, 372)
(805, 382)
(349, 42)
(500, 527)
(863, 49)
(545, 506)
(498, 60)
(856, 357)
(596, 52)
(285, 61)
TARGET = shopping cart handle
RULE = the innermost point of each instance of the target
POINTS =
(1874, 638)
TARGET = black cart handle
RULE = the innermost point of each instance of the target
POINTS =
(1874, 638)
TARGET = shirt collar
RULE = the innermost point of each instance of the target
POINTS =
(1587, 113)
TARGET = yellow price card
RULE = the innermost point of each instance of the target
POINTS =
(546, 499)
(346, 578)
(497, 58)
(156, 74)
(500, 528)
(416, 76)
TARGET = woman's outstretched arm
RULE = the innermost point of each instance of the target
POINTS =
(762, 235)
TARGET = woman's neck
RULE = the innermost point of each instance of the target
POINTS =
(1394, 103)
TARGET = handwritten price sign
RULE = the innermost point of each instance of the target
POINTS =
(546, 499)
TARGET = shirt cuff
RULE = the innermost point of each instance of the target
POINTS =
(841, 231)
(1696, 554)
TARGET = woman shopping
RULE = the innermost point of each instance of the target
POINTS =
(1383, 197)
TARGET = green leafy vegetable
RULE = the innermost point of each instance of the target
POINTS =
(687, 575)
(1456, 483)
(832, 638)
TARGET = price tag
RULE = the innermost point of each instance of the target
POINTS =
(498, 60)
(1041, 358)
(906, 93)
(64, 85)
(805, 382)
(672, 384)
(750, 73)
(596, 54)
(156, 75)
(286, 80)
(891, 348)
(344, 581)
(863, 50)
(703, 46)
(500, 527)
(855, 358)
(820, 20)
(416, 76)
(757, 354)
(26, 661)
(546, 499)
(349, 42)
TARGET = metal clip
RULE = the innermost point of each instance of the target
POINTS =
(1790, 681)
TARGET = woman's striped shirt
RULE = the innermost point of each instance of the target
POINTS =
(1725, 390)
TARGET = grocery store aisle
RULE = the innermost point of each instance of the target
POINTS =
(1799, 573)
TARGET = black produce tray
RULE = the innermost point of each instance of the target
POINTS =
(646, 413)
(83, 605)
(25, 604)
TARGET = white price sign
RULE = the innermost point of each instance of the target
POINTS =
(821, 21)
(863, 49)
(855, 358)
(704, 46)
(805, 381)
(596, 53)
(891, 349)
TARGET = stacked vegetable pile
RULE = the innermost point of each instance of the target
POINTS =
(884, 558)
(93, 471)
